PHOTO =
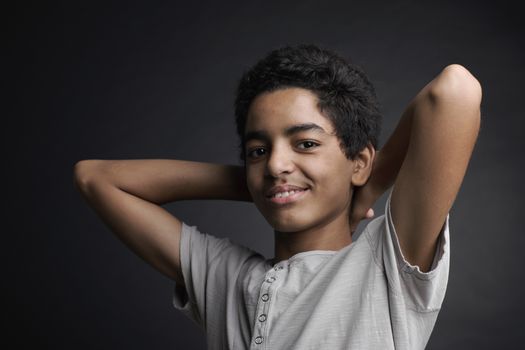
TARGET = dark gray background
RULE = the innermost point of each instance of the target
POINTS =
(118, 81)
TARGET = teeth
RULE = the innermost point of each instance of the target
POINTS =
(285, 194)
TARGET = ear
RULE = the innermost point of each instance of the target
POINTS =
(363, 162)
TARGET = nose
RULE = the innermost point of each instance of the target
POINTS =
(280, 160)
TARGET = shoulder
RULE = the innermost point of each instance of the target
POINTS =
(210, 247)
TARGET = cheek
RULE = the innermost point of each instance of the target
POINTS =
(333, 182)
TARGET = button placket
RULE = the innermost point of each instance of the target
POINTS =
(271, 279)
(268, 288)
(277, 268)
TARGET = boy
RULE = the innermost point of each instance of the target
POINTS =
(308, 124)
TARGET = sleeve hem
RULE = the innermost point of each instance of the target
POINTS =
(180, 301)
(439, 256)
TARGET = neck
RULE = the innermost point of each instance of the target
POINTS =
(332, 236)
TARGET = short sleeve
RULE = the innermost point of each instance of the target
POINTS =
(209, 267)
(423, 291)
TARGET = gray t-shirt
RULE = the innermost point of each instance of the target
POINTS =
(364, 296)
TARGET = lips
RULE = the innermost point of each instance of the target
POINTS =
(285, 194)
(283, 188)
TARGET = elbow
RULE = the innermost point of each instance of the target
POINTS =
(455, 84)
(85, 171)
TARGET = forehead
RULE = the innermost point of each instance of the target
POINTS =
(286, 111)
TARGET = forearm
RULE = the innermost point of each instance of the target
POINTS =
(391, 155)
(166, 180)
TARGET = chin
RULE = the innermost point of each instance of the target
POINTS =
(287, 225)
(287, 219)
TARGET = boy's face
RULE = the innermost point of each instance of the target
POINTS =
(310, 159)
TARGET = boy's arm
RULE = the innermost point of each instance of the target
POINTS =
(426, 159)
(128, 194)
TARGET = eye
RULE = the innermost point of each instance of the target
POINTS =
(308, 144)
(255, 152)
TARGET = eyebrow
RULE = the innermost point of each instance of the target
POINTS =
(289, 131)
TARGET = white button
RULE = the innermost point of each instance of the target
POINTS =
(262, 318)
(265, 297)
(258, 340)
(270, 280)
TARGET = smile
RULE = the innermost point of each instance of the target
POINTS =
(287, 196)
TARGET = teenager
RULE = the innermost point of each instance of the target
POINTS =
(308, 127)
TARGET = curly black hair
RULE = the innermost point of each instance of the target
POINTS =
(346, 96)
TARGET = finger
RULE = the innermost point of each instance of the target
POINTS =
(370, 213)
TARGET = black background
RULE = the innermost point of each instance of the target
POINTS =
(157, 79)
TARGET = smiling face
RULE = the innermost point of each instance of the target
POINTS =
(289, 142)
